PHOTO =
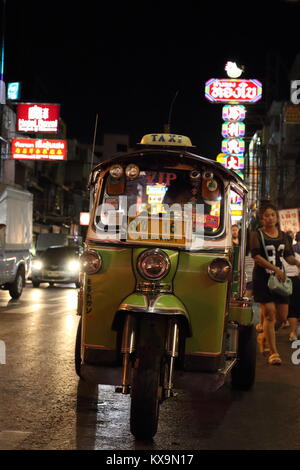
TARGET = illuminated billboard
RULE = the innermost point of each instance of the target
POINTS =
(233, 112)
(232, 162)
(14, 91)
(37, 117)
(39, 149)
(230, 90)
(232, 129)
(233, 146)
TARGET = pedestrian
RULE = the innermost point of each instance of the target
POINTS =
(294, 300)
(249, 266)
(297, 245)
(235, 234)
(274, 306)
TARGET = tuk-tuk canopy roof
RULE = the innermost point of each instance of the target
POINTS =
(172, 145)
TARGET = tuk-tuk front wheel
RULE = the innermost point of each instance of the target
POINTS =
(243, 373)
(146, 389)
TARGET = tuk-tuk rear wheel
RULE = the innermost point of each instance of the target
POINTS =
(147, 376)
(243, 373)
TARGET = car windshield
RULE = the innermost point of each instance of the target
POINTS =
(157, 193)
(57, 253)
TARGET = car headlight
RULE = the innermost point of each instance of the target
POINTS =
(37, 265)
(153, 264)
(73, 265)
(90, 262)
(219, 270)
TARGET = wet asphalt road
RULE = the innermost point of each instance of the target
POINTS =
(44, 406)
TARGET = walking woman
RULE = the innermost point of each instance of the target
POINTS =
(273, 306)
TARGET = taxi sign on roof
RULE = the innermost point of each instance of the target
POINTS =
(166, 139)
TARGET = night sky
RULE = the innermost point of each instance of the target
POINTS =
(126, 60)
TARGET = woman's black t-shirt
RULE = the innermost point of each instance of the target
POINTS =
(277, 249)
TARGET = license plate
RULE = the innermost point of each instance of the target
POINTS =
(53, 274)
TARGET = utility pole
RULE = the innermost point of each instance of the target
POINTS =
(2, 90)
(167, 127)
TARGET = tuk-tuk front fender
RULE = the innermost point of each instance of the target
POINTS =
(161, 304)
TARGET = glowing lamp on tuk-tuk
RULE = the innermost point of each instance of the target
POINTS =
(90, 262)
(153, 264)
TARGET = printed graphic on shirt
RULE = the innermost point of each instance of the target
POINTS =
(275, 256)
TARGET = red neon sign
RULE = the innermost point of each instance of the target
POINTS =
(39, 149)
(231, 90)
(37, 117)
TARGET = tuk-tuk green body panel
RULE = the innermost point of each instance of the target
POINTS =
(204, 299)
(240, 315)
(167, 303)
(104, 293)
(198, 298)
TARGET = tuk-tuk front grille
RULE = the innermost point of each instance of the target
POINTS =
(153, 287)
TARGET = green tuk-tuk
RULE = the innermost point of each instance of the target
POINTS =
(158, 306)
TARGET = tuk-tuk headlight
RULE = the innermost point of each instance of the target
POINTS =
(116, 171)
(90, 262)
(153, 264)
(132, 171)
(220, 270)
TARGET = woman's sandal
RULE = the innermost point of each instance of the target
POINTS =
(262, 344)
(274, 359)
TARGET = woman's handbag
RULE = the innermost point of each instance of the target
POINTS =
(281, 288)
(274, 284)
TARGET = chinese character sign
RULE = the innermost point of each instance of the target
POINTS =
(233, 146)
(234, 112)
(233, 129)
(37, 117)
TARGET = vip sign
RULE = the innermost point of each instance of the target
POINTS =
(37, 149)
(37, 117)
(233, 112)
(230, 90)
(233, 129)
(233, 146)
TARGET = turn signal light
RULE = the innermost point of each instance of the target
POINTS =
(220, 270)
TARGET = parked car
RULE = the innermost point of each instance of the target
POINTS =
(57, 264)
(15, 238)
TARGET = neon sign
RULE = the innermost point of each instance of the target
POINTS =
(233, 146)
(233, 112)
(37, 117)
(38, 149)
(224, 90)
(233, 129)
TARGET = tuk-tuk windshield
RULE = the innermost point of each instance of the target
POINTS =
(157, 192)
